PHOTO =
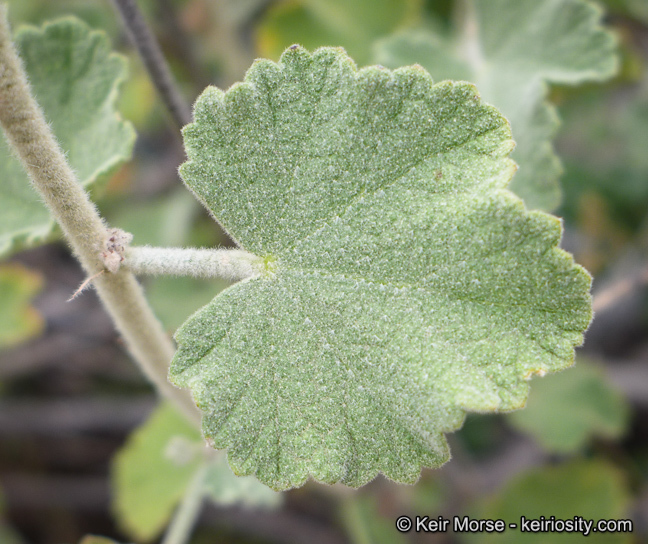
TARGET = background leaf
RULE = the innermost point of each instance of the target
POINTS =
(147, 482)
(566, 409)
(364, 525)
(175, 299)
(75, 77)
(404, 284)
(315, 23)
(511, 49)
(631, 8)
(593, 490)
(152, 471)
(7, 533)
(603, 143)
(18, 320)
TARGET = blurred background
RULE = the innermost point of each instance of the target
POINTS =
(70, 398)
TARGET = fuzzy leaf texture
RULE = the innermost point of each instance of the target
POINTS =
(511, 49)
(403, 284)
(74, 77)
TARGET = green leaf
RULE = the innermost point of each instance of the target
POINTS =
(18, 320)
(75, 77)
(147, 481)
(481, 435)
(403, 283)
(511, 49)
(9, 536)
(314, 23)
(429, 495)
(593, 490)
(152, 471)
(565, 410)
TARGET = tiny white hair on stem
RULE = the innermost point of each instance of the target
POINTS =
(228, 264)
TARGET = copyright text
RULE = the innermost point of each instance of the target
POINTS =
(465, 524)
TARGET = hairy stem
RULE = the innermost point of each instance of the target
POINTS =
(229, 264)
(184, 519)
(154, 60)
(30, 136)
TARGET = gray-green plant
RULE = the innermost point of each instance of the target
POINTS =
(386, 281)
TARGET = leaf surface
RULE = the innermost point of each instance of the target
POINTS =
(511, 49)
(403, 283)
(74, 77)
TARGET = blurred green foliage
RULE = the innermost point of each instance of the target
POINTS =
(603, 142)
(153, 470)
(353, 25)
(590, 489)
(360, 514)
(94, 539)
(19, 321)
(147, 481)
(7, 534)
(566, 409)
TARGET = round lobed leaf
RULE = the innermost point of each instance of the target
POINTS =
(403, 286)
